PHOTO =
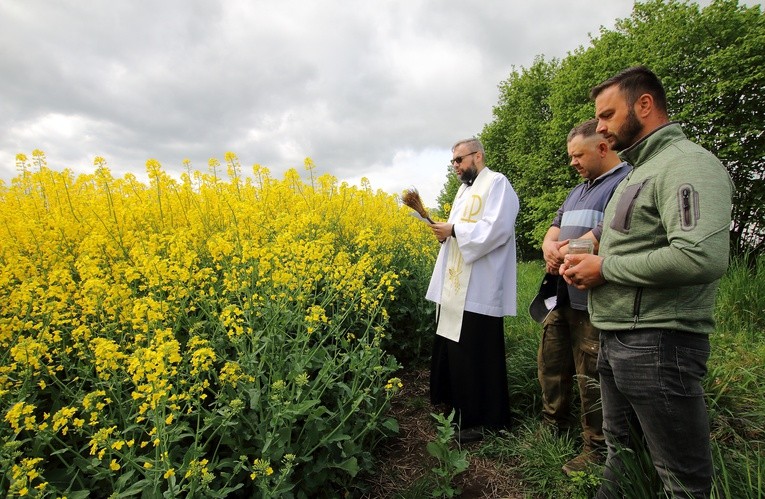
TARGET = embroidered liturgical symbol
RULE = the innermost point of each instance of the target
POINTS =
(455, 270)
(474, 209)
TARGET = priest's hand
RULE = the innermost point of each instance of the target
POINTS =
(441, 230)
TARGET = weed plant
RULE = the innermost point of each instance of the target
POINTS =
(452, 460)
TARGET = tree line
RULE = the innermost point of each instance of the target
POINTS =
(712, 63)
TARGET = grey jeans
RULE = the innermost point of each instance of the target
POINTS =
(650, 381)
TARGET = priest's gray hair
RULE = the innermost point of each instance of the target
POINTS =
(474, 143)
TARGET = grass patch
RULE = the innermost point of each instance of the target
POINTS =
(528, 458)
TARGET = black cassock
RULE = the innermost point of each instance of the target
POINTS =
(471, 375)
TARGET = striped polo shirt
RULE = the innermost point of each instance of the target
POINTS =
(582, 211)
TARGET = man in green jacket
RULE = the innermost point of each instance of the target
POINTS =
(663, 251)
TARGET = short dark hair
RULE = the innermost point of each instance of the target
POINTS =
(586, 129)
(634, 82)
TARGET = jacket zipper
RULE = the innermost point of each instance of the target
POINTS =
(686, 192)
(636, 307)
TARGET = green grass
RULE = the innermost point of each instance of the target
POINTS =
(538, 454)
(522, 341)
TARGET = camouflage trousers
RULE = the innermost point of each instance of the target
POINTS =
(568, 352)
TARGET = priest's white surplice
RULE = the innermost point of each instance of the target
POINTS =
(487, 244)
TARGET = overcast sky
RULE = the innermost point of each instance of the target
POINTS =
(366, 89)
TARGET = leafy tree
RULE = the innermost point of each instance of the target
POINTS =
(517, 145)
(712, 64)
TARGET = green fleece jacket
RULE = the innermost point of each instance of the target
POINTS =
(665, 239)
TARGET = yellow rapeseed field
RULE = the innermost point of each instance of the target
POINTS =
(214, 335)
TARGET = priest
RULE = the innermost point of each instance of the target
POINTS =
(474, 285)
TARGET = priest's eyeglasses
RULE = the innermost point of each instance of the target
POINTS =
(458, 159)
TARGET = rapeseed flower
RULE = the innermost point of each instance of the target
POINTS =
(62, 418)
(394, 384)
(261, 467)
(21, 416)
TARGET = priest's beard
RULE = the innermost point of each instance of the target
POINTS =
(469, 175)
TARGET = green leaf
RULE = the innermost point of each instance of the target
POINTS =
(391, 424)
(123, 480)
(149, 493)
(254, 395)
(351, 466)
(437, 450)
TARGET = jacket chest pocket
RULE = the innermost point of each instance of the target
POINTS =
(625, 206)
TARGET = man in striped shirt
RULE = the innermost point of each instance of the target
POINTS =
(570, 343)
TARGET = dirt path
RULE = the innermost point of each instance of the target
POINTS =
(404, 461)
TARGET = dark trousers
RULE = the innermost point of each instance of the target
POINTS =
(650, 381)
(470, 376)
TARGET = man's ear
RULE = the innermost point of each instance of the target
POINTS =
(644, 105)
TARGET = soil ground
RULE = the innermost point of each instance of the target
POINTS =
(404, 463)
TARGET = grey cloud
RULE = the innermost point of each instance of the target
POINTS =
(351, 84)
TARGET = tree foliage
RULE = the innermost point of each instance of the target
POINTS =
(712, 64)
